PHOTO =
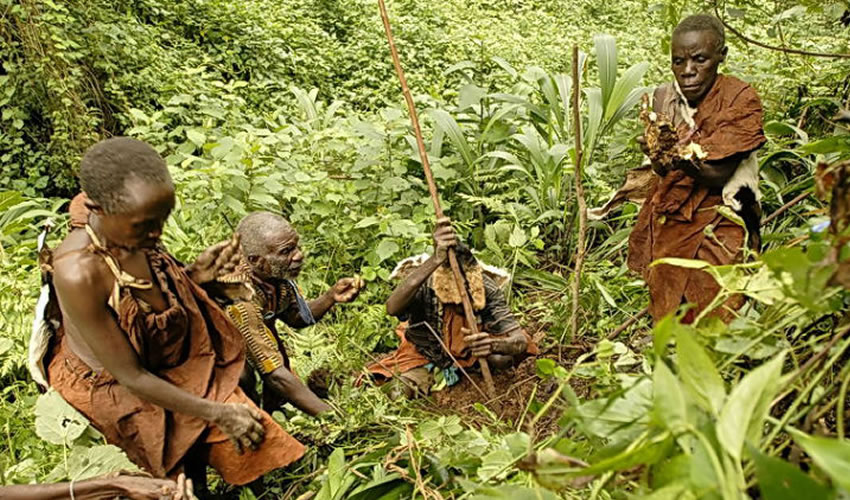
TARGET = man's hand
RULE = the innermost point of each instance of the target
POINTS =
(479, 344)
(347, 289)
(217, 260)
(657, 167)
(138, 487)
(444, 238)
(243, 424)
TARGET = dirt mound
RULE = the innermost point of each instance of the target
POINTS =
(513, 405)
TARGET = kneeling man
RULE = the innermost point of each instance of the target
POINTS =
(434, 328)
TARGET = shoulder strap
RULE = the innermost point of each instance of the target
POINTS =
(122, 278)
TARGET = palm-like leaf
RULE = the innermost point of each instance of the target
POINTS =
(449, 126)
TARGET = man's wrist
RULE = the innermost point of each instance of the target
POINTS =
(213, 411)
(102, 486)
(330, 297)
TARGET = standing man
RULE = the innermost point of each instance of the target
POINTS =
(682, 213)
(272, 261)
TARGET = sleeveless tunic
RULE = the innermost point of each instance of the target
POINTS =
(191, 344)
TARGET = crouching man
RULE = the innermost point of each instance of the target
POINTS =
(272, 261)
(434, 329)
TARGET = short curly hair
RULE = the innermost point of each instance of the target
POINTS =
(702, 22)
(108, 165)
(254, 230)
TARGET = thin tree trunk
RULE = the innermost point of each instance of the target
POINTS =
(582, 203)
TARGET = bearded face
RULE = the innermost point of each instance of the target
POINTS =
(283, 258)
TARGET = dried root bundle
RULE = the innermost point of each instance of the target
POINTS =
(663, 142)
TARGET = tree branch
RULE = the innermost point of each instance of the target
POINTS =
(773, 47)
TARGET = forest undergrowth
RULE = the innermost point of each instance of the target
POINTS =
(292, 106)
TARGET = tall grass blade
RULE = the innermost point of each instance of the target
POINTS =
(606, 61)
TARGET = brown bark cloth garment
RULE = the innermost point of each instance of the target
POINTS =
(425, 314)
(679, 212)
(193, 345)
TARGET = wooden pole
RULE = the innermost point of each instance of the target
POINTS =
(460, 282)
(582, 203)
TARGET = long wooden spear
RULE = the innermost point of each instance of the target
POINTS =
(460, 282)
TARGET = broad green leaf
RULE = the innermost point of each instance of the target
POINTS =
(470, 95)
(386, 249)
(626, 106)
(605, 294)
(517, 238)
(779, 480)
(505, 65)
(430, 431)
(367, 221)
(626, 92)
(545, 367)
(565, 85)
(336, 471)
(594, 120)
(197, 137)
(305, 102)
(834, 144)
(389, 487)
(745, 409)
(222, 148)
(831, 455)
(782, 128)
(547, 87)
(662, 334)
(494, 465)
(85, 463)
(138, 115)
(517, 443)
(619, 419)
(642, 452)
(698, 372)
(56, 421)
(450, 127)
(606, 61)
(670, 409)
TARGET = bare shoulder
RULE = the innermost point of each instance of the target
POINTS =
(78, 271)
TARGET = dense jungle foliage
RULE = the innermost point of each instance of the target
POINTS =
(293, 106)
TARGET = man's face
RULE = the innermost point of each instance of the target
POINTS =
(696, 56)
(283, 258)
(140, 224)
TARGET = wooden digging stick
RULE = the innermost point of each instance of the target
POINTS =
(460, 282)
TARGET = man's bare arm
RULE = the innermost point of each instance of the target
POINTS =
(444, 239)
(404, 292)
(122, 486)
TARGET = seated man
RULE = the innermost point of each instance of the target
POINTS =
(682, 214)
(430, 306)
(137, 345)
(272, 260)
